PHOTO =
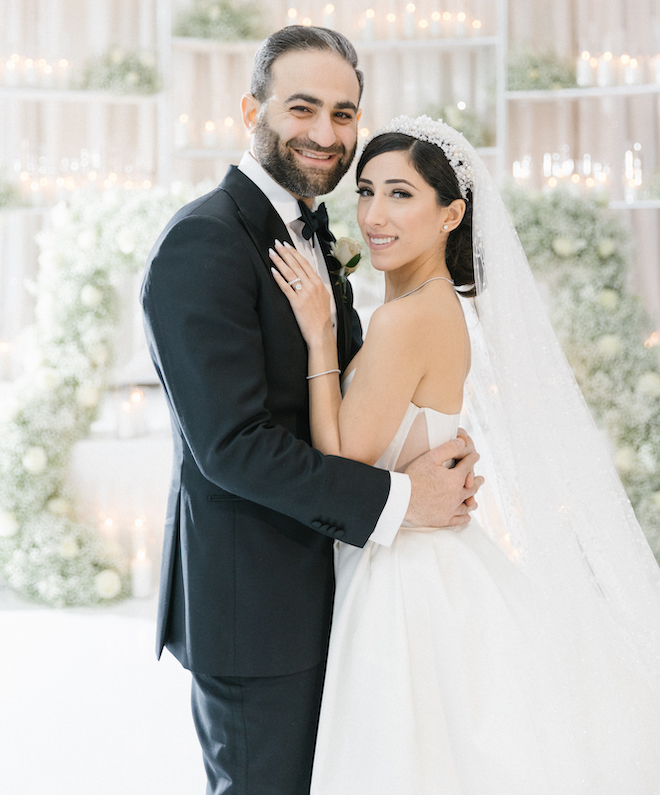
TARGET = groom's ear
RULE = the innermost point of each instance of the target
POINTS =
(250, 106)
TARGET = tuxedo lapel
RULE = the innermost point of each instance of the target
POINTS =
(264, 225)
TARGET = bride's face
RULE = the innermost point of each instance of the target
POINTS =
(398, 213)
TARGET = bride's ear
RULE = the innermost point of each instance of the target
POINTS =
(454, 215)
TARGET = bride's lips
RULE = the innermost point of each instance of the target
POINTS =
(316, 159)
(381, 242)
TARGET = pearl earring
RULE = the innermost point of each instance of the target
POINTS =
(445, 227)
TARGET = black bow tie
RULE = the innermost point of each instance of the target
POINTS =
(316, 223)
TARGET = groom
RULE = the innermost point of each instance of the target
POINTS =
(247, 581)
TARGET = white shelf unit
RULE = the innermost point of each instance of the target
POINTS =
(401, 76)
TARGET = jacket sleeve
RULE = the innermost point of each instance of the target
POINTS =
(200, 299)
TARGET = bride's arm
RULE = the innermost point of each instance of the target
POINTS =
(312, 307)
(391, 366)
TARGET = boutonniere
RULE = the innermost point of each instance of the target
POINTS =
(346, 253)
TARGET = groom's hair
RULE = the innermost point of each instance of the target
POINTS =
(296, 38)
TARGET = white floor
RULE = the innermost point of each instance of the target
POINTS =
(85, 709)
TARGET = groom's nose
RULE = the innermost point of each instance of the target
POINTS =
(322, 131)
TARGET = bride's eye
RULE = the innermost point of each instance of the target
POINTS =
(401, 194)
(364, 192)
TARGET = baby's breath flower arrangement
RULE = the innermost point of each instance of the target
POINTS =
(582, 253)
(122, 73)
(221, 20)
(46, 554)
(531, 71)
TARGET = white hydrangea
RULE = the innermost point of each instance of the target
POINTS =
(606, 248)
(8, 524)
(564, 246)
(609, 299)
(107, 584)
(649, 384)
(35, 460)
(90, 296)
(609, 345)
(625, 458)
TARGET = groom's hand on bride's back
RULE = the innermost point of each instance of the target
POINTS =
(443, 496)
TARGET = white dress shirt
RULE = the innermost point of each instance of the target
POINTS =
(287, 207)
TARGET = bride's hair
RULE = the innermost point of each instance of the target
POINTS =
(430, 162)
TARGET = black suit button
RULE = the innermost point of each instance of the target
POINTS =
(339, 532)
(316, 524)
(325, 528)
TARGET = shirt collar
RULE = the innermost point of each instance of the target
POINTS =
(284, 203)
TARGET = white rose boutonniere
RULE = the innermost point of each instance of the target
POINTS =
(346, 252)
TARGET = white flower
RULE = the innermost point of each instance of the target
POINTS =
(609, 345)
(647, 458)
(344, 251)
(148, 60)
(132, 78)
(116, 56)
(9, 408)
(86, 239)
(625, 458)
(126, 241)
(606, 248)
(87, 396)
(107, 584)
(60, 215)
(649, 384)
(59, 506)
(35, 460)
(90, 296)
(47, 379)
(609, 299)
(214, 13)
(99, 354)
(68, 548)
(563, 246)
(8, 524)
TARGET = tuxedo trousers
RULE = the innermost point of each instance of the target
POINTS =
(258, 733)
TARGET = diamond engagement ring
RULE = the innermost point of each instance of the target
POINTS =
(296, 284)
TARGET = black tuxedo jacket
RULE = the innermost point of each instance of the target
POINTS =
(246, 580)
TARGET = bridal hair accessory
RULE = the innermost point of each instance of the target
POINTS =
(458, 151)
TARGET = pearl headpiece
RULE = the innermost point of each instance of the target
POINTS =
(458, 151)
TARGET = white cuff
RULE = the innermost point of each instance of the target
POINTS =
(394, 511)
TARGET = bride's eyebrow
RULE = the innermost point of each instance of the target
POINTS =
(388, 182)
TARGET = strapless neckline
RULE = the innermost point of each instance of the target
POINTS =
(348, 377)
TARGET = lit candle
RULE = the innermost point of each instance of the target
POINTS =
(368, 29)
(655, 68)
(477, 27)
(460, 28)
(585, 72)
(632, 74)
(328, 16)
(209, 136)
(391, 27)
(291, 15)
(48, 72)
(141, 575)
(11, 73)
(604, 72)
(446, 24)
(30, 72)
(435, 29)
(423, 26)
(63, 73)
(409, 28)
(181, 132)
(229, 132)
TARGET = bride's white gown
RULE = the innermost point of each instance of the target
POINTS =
(449, 672)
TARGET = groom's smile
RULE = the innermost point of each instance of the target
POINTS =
(305, 133)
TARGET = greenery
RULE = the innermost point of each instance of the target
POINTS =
(220, 20)
(581, 251)
(10, 196)
(529, 71)
(121, 72)
(466, 122)
(46, 554)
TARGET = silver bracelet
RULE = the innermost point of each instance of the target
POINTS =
(326, 372)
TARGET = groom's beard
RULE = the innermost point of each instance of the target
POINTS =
(279, 161)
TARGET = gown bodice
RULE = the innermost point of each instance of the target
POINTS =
(421, 430)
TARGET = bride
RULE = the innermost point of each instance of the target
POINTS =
(521, 653)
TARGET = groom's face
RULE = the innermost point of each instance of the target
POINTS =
(305, 133)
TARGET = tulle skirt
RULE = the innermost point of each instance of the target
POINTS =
(450, 671)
